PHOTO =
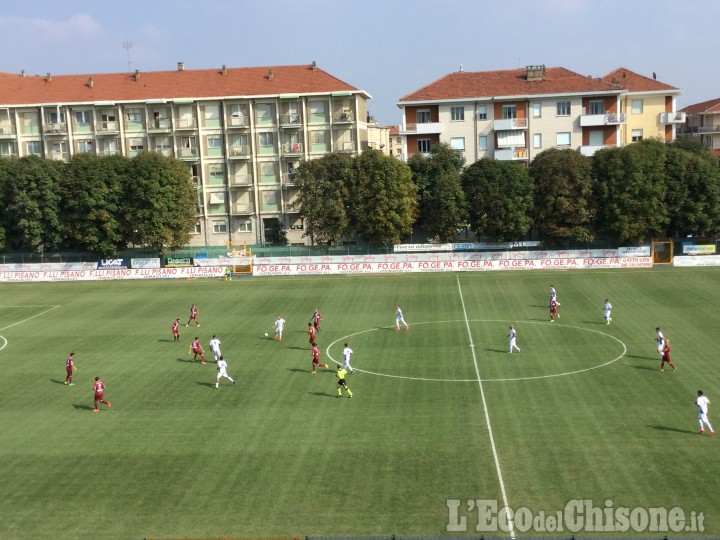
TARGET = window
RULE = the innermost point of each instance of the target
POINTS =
(637, 135)
(537, 140)
(537, 110)
(457, 113)
(264, 113)
(219, 226)
(597, 106)
(161, 144)
(482, 142)
(108, 147)
(317, 111)
(509, 111)
(238, 115)
(457, 143)
(82, 117)
(85, 146)
(216, 170)
(56, 117)
(136, 144)
(636, 106)
(7, 148)
(34, 148)
(318, 137)
(422, 116)
(563, 138)
(482, 112)
(244, 225)
(214, 141)
(134, 116)
(423, 146)
(198, 228)
(563, 108)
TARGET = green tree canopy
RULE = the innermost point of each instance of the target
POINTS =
(563, 196)
(500, 199)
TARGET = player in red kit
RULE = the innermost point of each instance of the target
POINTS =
(666, 357)
(317, 317)
(196, 348)
(316, 359)
(175, 329)
(553, 310)
(69, 368)
(99, 388)
(311, 333)
(193, 315)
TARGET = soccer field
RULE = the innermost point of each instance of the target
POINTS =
(440, 412)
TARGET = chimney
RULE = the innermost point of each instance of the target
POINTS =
(223, 70)
(48, 78)
(314, 65)
(613, 80)
(535, 73)
(269, 75)
(90, 82)
(136, 75)
(181, 66)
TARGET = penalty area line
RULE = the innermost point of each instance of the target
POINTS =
(31, 317)
(485, 410)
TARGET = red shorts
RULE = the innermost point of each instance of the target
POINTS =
(175, 332)
(98, 397)
(666, 357)
(69, 371)
(316, 360)
(553, 311)
(197, 351)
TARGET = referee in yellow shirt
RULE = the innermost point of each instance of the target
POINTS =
(341, 381)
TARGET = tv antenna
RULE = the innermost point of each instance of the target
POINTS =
(127, 45)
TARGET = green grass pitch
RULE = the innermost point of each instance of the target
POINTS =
(582, 412)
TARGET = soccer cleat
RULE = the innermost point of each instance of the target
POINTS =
(712, 433)
(397, 329)
(661, 369)
(71, 384)
(407, 328)
(350, 397)
(198, 326)
(65, 382)
(701, 431)
(96, 410)
(233, 383)
(187, 325)
(203, 362)
(312, 373)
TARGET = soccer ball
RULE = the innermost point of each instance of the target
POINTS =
(266, 334)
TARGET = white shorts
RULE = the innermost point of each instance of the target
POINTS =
(222, 373)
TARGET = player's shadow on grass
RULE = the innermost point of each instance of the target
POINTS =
(298, 370)
(301, 348)
(645, 367)
(496, 350)
(83, 407)
(322, 394)
(203, 383)
(595, 322)
(57, 382)
(188, 360)
(640, 357)
(675, 430)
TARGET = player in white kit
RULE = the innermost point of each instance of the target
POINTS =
(347, 352)
(400, 319)
(222, 372)
(512, 336)
(215, 347)
(702, 403)
(607, 311)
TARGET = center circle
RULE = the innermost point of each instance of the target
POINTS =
(482, 379)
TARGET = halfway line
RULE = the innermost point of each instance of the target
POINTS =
(487, 414)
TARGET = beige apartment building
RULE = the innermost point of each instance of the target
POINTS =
(703, 123)
(516, 114)
(242, 132)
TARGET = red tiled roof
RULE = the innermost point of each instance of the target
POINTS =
(394, 130)
(711, 106)
(201, 83)
(511, 82)
(635, 82)
(715, 151)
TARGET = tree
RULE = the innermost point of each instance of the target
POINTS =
(91, 197)
(630, 188)
(562, 193)
(693, 192)
(500, 199)
(689, 144)
(159, 202)
(32, 204)
(441, 200)
(383, 203)
(323, 197)
(275, 234)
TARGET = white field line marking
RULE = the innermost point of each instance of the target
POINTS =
(485, 410)
(510, 379)
(5, 341)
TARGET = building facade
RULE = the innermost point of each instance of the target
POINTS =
(703, 123)
(242, 132)
(516, 114)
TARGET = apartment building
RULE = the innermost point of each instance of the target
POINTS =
(516, 114)
(241, 131)
(703, 123)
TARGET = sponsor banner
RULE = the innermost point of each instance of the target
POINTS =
(690, 249)
(28, 267)
(114, 274)
(111, 263)
(145, 263)
(691, 260)
(224, 261)
(462, 246)
(636, 251)
(458, 265)
(179, 261)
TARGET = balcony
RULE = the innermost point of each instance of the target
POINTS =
(238, 122)
(167, 152)
(510, 154)
(345, 146)
(423, 128)
(108, 152)
(241, 180)
(160, 125)
(292, 148)
(55, 128)
(672, 118)
(589, 151)
(187, 153)
(288, 179)
(290, 120)
(110, 127)
(59, 156)
(7, 131)
(607, 119)
(239, 151)
(343, 117)
(243, 208)
(186, 123)
(507, 124)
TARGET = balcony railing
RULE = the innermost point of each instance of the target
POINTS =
(239, 122)
(10, 154)
(607, 119)
(421, 128)
(345, 146)
(241, 180)
(108, 152)
(59, 156)
(186, 123)
(508, 154)
(241, 151)
(187, 153)
(506, 124)
(7, 130)
(672, 118)
(109, 127)
(243, 208)
(343, 116)
(590, 150)
(55, 128)
(292, 148)
(164, 151)
(288, 179)
(290, 120)
(161, 124)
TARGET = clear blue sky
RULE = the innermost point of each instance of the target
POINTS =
(388, 48)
